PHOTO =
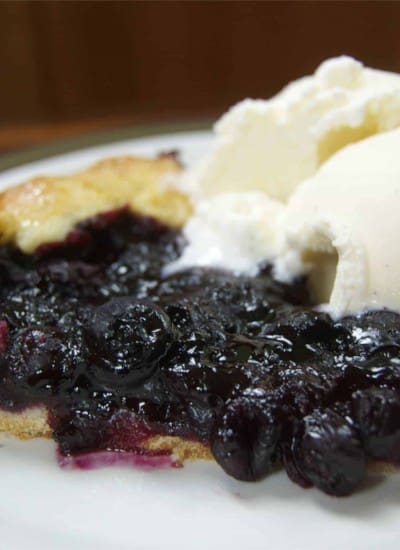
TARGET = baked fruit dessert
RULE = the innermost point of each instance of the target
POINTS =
(106, 347)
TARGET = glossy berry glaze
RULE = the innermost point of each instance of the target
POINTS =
(117, 353)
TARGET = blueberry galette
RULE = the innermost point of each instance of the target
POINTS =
(103, 352)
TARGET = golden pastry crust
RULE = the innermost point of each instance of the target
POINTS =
(45, 208)
(26, 424)
(33, 423)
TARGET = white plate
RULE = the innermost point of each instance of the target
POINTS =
(197, 507)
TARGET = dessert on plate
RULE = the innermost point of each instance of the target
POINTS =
(244, 309)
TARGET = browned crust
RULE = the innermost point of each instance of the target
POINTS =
(45, 208)
(182, 449)
(26, 424)
(33, 423)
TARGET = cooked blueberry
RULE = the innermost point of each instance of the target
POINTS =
(383, 365)
(130, 338)
(87, 427)
(191, 374)
(350, 378)
(195, 322)
(327, 452)
(43, 360)
(10, 272)
(75, 272)
(383, 322)
(306, 386)
(202, 414)
(245, 439)
(303, 335)
(293, 472)
(372, 330)
(377, 412)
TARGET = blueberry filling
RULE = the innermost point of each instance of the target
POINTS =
(117, 353)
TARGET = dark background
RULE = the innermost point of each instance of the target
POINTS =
(70, 67)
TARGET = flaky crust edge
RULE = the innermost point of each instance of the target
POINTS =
(33, 422)
(45, 208)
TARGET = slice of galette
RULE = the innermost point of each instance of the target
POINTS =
(104, 353)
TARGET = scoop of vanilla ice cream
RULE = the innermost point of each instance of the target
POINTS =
(271, 146)
(233, 231)
(342, 226)
(308, 180)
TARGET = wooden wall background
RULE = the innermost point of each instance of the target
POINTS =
(62, 62)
